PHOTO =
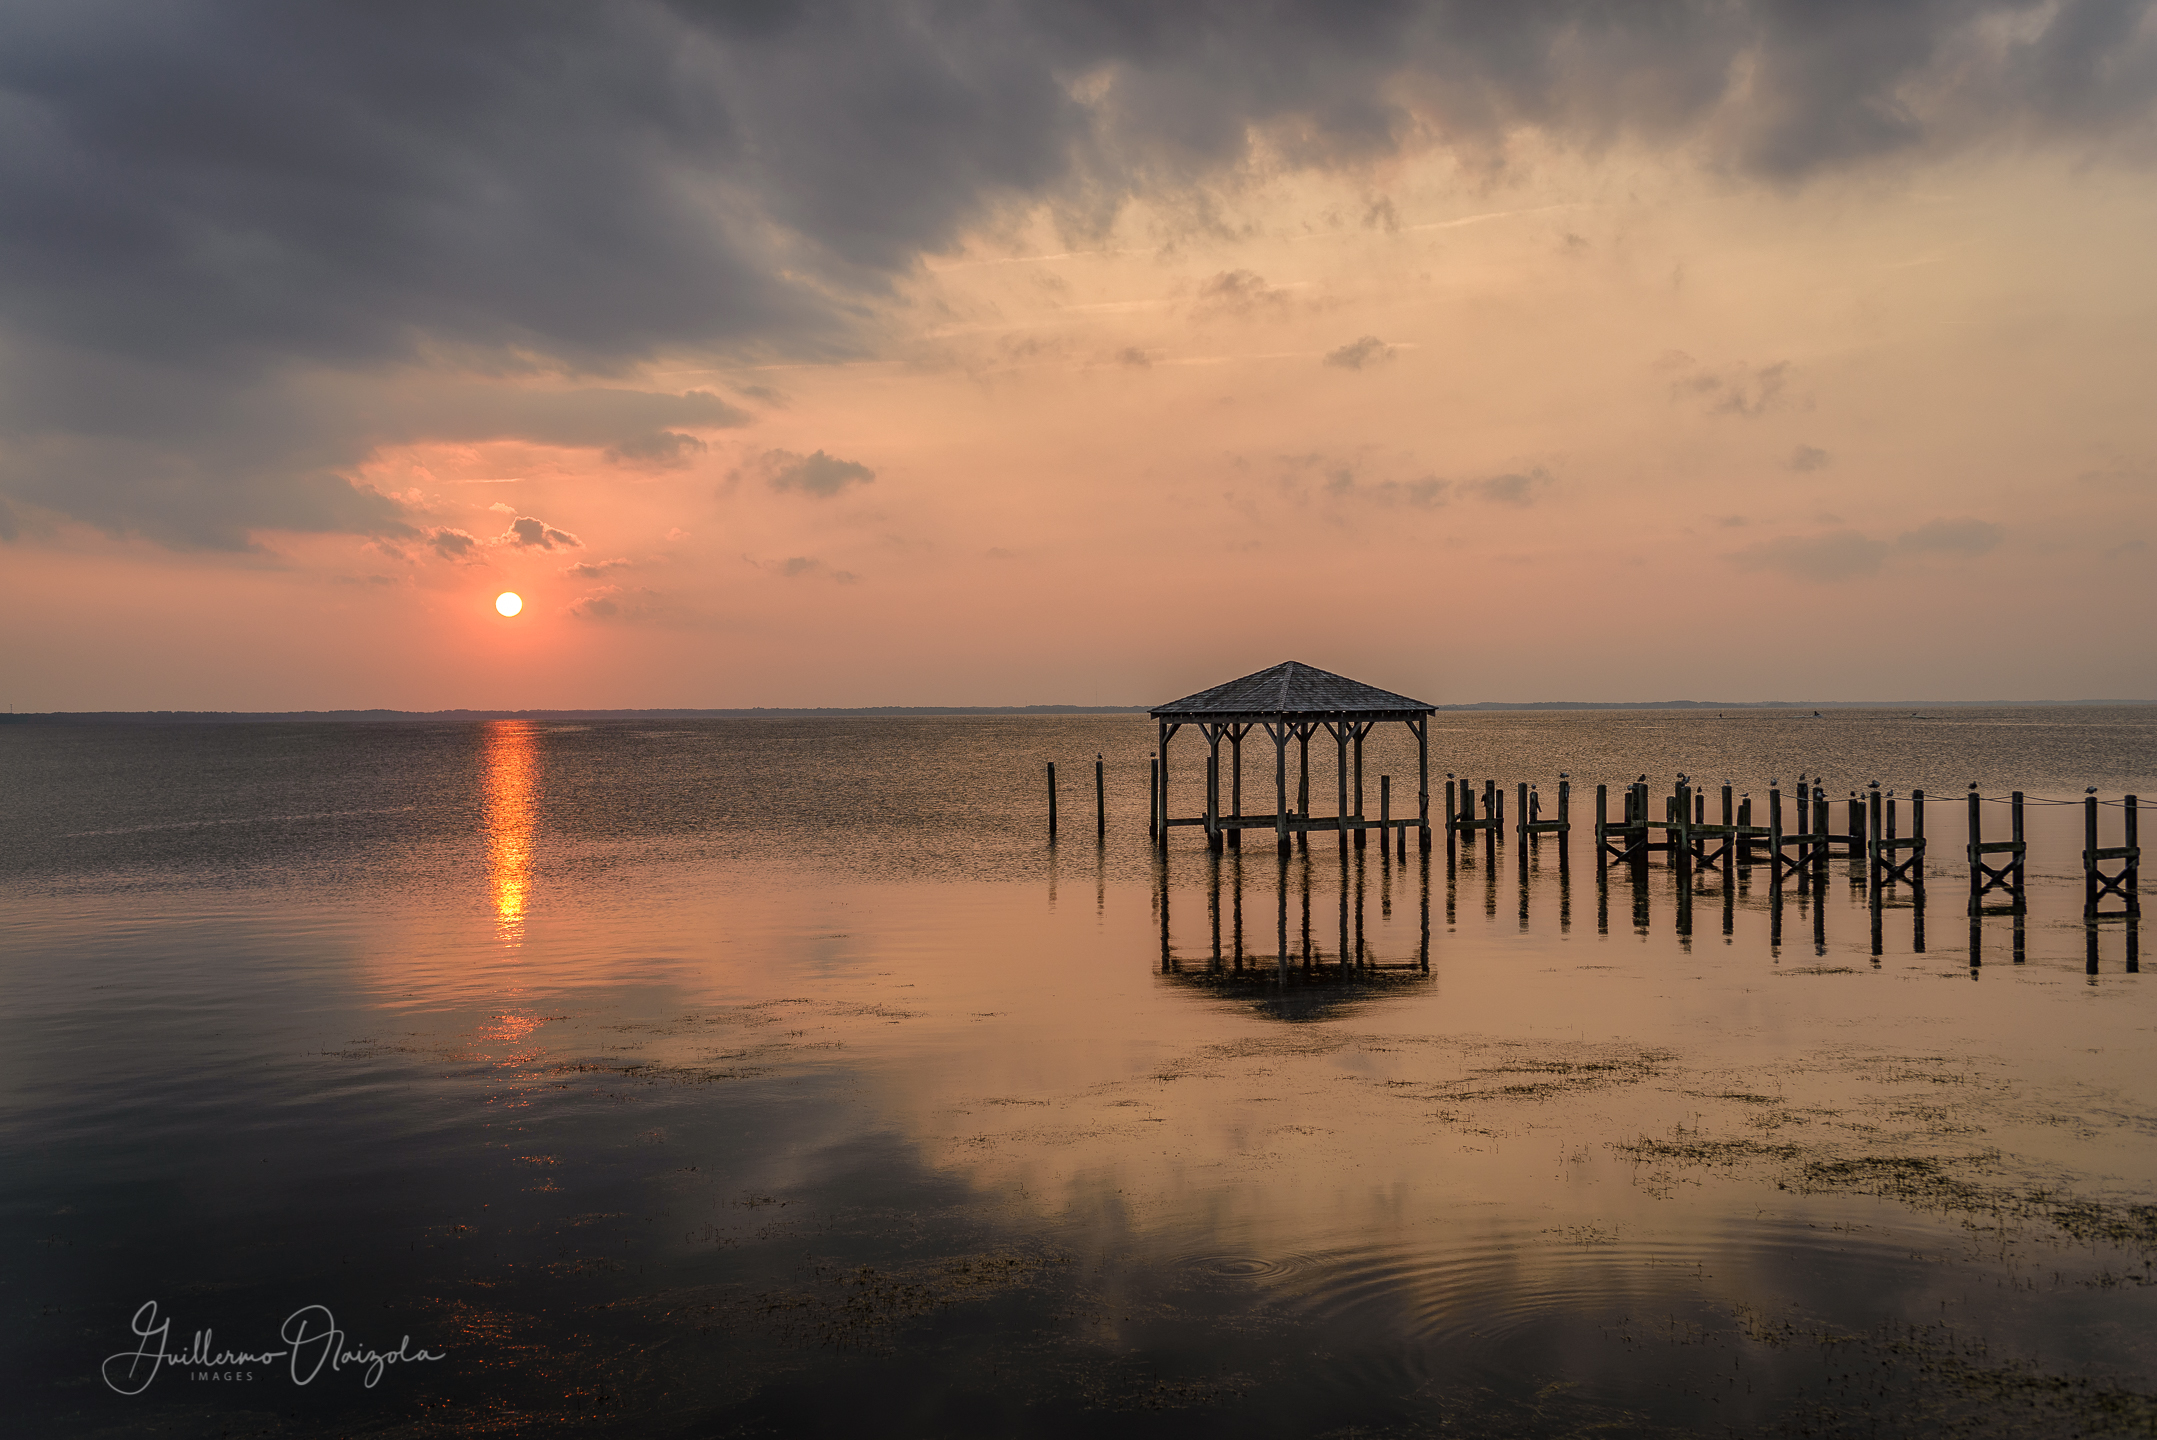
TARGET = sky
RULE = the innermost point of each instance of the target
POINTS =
(904, 353)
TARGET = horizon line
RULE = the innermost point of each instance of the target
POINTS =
(386, 715)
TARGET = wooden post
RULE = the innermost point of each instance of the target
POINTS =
(1279, 732)
(1340, 755)
(1168, 733)
(1917, 835)
(1857, 825)
(1303, 783)
(2134, 871)
(1521, 823)
(1872, 844)
(1235, 785)
(1975, 824)
(2014, 822)
(1385, 813)
(1452, 812)
(1775, 835)
(1052, 799)
(1213, 788)
(2089, 857)
(1359, 786)
(1602, 826)
(1100, 799)
(1423, 802)
(1153, 797)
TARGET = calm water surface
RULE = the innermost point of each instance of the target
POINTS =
(775, 1078)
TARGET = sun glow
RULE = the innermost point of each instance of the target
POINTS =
(509, 602)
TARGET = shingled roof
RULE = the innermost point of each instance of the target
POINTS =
(1290, 688)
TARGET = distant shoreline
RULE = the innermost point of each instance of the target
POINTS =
(258, 717)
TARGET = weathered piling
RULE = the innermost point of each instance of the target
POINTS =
(1052, 799)
(1100, 798)
(1872, 850)
(1235, 786)
(1530, 804)
(2124, 885)
(2009, 876)
(1153, 796)
(1775, 835)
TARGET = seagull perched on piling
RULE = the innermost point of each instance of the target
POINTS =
(1973, 784)
(2089, 789)
(1872, 784)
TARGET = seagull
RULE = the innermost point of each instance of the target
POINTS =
(1641, 781)
(1872, 784)
(1973, 784)
(2089, 789)
(1774, 782)
(1565, 774)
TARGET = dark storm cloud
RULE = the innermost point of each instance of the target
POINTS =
(202, 204)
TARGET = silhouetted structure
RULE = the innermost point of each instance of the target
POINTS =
(1290, 701)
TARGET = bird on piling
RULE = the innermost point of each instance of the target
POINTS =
(1641, 781)
(1973, 784)
(2089, 789)
(1872, 784)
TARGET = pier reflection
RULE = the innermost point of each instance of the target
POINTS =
(1294, 935)
(509, 797)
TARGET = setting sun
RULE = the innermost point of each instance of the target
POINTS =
(509, 602)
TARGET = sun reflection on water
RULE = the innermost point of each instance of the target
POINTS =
(511, 759)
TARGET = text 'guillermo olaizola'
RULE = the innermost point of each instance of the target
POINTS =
(312, 1340)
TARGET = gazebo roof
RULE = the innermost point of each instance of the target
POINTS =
(1292, 688)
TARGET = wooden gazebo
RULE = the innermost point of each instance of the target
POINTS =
(1291, 701)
